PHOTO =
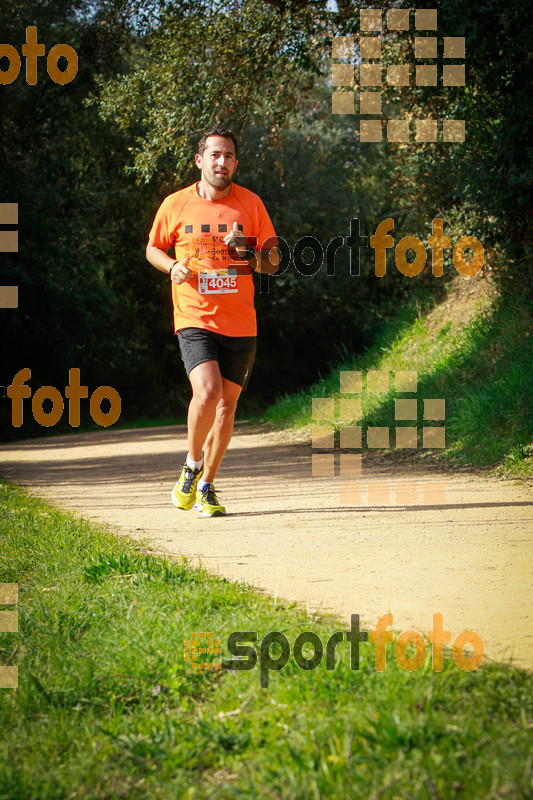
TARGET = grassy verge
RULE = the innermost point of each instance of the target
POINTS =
(107, 707)
(483, 369)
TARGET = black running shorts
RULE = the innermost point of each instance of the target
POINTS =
(235, 354)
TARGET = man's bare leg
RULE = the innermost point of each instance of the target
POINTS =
(207, 387)
(206, 383)
(221, 431)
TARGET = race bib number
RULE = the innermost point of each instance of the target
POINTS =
(222, 282)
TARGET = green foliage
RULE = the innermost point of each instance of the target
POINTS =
(314, 181)
(152, 76)
(491, 173)
(484, 370)
(107, 707)
(87, 297)
(205, 62)
(136, 567)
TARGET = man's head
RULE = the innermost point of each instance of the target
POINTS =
(217, 157)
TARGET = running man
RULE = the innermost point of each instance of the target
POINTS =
(210, 225)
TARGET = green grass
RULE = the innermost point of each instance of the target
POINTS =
(483, 370)
(107, 707)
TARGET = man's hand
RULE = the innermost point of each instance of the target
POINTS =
(181, 272)
(236, 239)
(264, 261)
(163, 262)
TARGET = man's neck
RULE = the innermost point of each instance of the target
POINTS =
(209, 192)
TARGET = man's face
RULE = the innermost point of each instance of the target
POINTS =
(217, 162)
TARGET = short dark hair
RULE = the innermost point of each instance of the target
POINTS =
(226, 133)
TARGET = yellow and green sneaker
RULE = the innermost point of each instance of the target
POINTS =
(207, 502)
(184, 492)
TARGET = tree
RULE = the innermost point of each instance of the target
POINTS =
(79, 221)
(205, 62)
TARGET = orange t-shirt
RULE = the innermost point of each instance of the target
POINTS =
(218, 296)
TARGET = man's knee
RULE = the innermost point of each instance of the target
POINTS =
(226, 411)
(207, 394)
(227, 404)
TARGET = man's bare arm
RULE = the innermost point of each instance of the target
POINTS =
(163, 262)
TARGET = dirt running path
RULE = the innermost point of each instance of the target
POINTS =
(469, 558)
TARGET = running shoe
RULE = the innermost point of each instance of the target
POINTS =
(207, 502)
(184, 492)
